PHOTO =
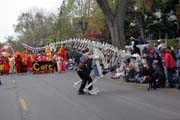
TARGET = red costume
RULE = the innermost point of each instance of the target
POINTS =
(6, 66)
(18, 62)
(29, 64)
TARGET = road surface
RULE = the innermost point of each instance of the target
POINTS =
(52, 97)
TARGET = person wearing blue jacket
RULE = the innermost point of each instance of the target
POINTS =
(178, 66)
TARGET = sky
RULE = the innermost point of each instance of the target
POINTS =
(11, 9)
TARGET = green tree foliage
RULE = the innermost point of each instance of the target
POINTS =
(155, 18)
(97, 22)
(165, 23)
(34, 26)
(151, 19)
(64, 27)
(82, 11)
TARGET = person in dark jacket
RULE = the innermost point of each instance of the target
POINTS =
(159, 75)
(178, 67)
(81, 71)
(84, 70)
(158, 60)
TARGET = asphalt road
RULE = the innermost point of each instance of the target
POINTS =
(52, 97)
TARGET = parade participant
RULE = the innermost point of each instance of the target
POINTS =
(63, 55)
(84, 70)
(1, 65)
(12, 64)
(55, 62)
(81, 71)
(58, 62)
(6, 66)
(29, 64)
(88, 63)
(48, 54)
(18, 63)
(62, 51)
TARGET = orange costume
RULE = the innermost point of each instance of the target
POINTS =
(48, 54)
(29, 64)
(62, 52)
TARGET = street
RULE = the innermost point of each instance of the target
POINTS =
(52, 97)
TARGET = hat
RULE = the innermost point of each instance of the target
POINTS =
(168, 47)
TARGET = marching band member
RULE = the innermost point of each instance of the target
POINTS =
(18, 63)
(6, 65)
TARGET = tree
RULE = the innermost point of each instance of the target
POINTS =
(82, 10)
(115, 20)
(155, 18)
(63, 28)
(34, 27)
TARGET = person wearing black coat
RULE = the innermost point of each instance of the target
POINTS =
(159, 75)
(84, 70)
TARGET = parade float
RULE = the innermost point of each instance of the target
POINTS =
(43, 63)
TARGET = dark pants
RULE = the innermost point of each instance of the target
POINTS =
(162, 81)
(170, 77)
(178, 75)
(84, 83)
(85, 80)
(152, 83)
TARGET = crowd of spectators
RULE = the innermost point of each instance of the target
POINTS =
(157, 64)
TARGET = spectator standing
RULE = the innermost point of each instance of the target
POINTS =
(178, 66)
(170, 65)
